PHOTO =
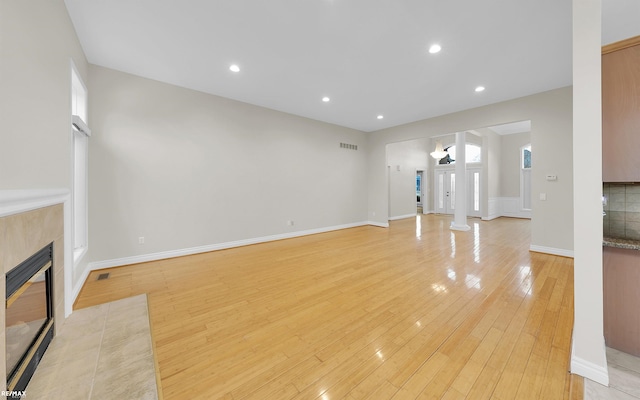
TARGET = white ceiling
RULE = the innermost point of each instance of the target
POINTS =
(369, 56)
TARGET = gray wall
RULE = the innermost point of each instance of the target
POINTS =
(510, 163)
(187, 169)
(551, 118)
(37, 45)
(404, 160)
(493, 144)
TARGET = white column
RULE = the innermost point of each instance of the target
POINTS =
(460, 212)
(588, 356)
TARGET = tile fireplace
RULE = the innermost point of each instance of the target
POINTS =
(34, 226)
(29, 321)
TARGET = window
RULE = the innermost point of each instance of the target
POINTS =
(525, 176)
(526, 156)
(476, 191)
(80, 143)
(473, 154)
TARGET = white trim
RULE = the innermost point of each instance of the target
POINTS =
(19, 201)
(595, 372)
(117, 262)
(506, 207)
(378, 224)
(512, 207)
(78, 254)
(79, 125)
(551, 250)
(590, 370)
(493, 209)
(402, 217)
(80, 284)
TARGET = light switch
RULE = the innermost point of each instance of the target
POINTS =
(543, 196)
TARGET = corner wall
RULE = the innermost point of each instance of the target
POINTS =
(551, 135)
(588, 353)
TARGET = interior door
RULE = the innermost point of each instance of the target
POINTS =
(445, 191)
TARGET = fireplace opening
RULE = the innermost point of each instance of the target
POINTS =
(29, 316)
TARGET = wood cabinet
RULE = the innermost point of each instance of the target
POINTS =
(622, 299)
(621, 114)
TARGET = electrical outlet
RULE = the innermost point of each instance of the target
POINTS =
(141, 240)
(290, 223)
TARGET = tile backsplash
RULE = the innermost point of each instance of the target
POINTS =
(621, 205)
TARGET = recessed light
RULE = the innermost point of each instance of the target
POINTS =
(435, 49)
(380, 116)
(479, 88)
(326, 99)
(234, 68)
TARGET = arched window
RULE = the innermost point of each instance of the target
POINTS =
(473, 154)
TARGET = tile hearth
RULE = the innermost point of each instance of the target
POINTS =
(101, 352)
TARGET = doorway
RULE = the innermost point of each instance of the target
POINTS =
(419, 191)
(445, 191)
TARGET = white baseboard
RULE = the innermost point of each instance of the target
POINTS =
(590, 370)
(425, 212)
(511, 207)
(551, 250)
(402, 217)
(521, 214)
(493, 209)
(380, 224)
(596, 372)
(505, 207)
(117, 262)
(78, 286)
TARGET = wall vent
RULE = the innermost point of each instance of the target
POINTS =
(102, 277)
(348, 146)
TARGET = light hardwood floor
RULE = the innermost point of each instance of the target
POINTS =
(412, 311)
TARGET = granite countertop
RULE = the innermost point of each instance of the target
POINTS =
(621, 243)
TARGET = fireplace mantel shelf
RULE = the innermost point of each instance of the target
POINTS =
(16, 201)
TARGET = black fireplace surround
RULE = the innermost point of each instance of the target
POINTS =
(29, 316)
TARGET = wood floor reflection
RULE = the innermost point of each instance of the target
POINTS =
(412, 311)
